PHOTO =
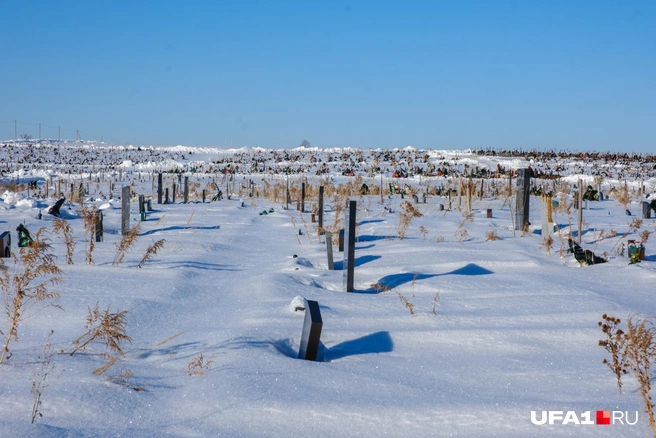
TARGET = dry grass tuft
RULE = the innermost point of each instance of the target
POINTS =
(622, 196)
(632, 351)
(35, 270)
(408, 212)
(491, 235)
(123, 379)
(151, 252)
(43, 367)
(436, 298)
(547, 243)
(63, 228)
(106, 327)
(198, 365)
(404, 300)
(89, 219)
(125, 244)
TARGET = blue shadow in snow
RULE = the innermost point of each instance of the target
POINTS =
(374, 238)
(179, 228)
(396, 280)
(359, 261)
(365, 247)
(379, 342)
(370, 221)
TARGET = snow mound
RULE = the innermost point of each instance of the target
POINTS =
(298, 304)
(16, 199)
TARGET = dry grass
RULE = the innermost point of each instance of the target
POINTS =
(105, 327)
(408, 212)
(622, 196)
(43, 367)
(198, 365)
(404, 300)
(644, 236)
(632, 351)
(151, 252)
(125, 244)
(123, 378)
(491, 236)
(423, 231)
(65, 232)
(546, 244)
(89, 219)
(461, 232)
(35, 270)
(436, 298)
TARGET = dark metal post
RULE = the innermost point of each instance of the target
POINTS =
(311, 335)
(349, 240)
(99, 226)
(186, 190)
(159, 188)
(302, 197)
(321, 210)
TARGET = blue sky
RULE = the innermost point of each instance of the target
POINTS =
(576, 75)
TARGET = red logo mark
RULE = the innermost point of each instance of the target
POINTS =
(603, 417)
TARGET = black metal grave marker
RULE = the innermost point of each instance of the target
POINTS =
(349, 244)
(311, 332)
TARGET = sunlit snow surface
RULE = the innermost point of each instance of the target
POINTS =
(499, 328)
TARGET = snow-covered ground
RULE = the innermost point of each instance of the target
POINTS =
(448, 333)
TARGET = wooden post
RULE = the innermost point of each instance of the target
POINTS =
(125, 210)
(329, 251)
(522, 200)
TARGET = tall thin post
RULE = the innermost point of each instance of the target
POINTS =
(186, 190)
(522, 200)
(329, 251)
(159, 188)
(349, 241)
(580, 210)
(302, 197)
(125, 210)
(321, 210)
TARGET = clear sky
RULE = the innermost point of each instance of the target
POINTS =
(577, 75)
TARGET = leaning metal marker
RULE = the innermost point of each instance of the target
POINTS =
(349, 244)
(311, 332)
(125, 210)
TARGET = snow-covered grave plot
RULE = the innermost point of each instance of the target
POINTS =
(459, 324)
